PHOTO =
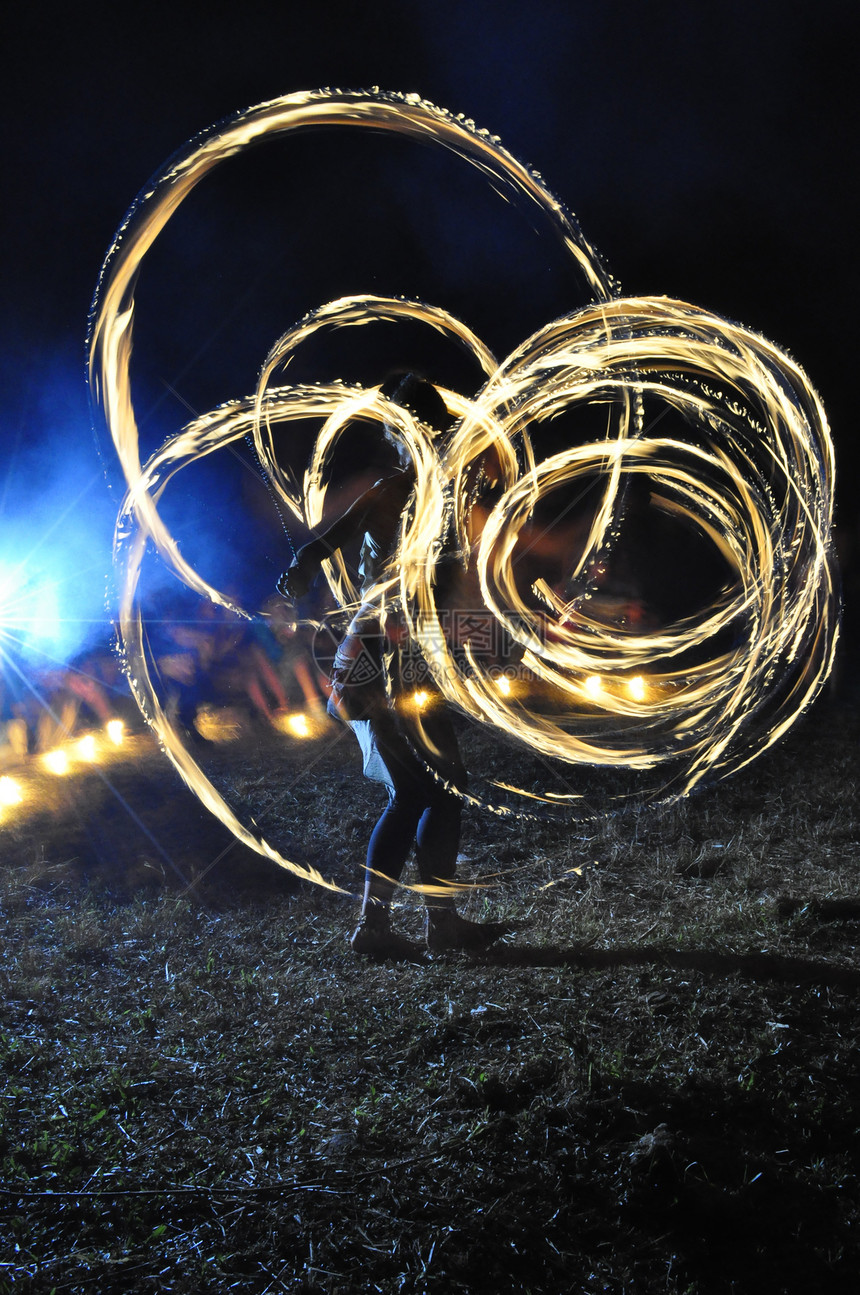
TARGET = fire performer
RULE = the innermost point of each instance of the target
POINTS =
(419, 763)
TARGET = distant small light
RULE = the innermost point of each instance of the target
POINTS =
(56, 761)
(298, 725)
(86, 747)
(504, 685)
(10, 791)
(420, 699)
(636, 688)
(593, 685)
(116, 731)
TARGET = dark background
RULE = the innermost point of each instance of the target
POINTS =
(708, 151)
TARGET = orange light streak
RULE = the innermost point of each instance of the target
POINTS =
(753, 476)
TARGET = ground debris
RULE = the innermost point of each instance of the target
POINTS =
(204, 1089)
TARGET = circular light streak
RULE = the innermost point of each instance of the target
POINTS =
(754, 476)
(752, 473)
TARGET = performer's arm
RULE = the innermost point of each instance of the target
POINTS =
(296, 581)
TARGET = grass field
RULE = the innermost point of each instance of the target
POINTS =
(652, 1085)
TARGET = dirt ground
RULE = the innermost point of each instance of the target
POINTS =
(653, 1084)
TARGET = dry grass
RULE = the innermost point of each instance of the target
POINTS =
(653, 1086)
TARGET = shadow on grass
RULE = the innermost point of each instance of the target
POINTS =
(755, 966)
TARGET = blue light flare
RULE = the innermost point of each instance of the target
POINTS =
(55, 531)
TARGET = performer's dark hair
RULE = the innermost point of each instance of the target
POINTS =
(420, 397)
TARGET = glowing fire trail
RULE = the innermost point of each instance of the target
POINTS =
(753, 474)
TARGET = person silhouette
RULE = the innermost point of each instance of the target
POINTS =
(419, 763)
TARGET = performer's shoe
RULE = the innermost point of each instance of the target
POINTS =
(377, 941)
(447, 930)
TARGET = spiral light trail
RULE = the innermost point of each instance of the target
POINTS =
(750, 471)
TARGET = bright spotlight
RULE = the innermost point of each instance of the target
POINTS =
(116, 731)
(10, 791)
(298, 725)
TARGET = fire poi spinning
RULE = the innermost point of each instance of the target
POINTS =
(750, 473)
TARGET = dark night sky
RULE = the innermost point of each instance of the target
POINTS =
(707, 150)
